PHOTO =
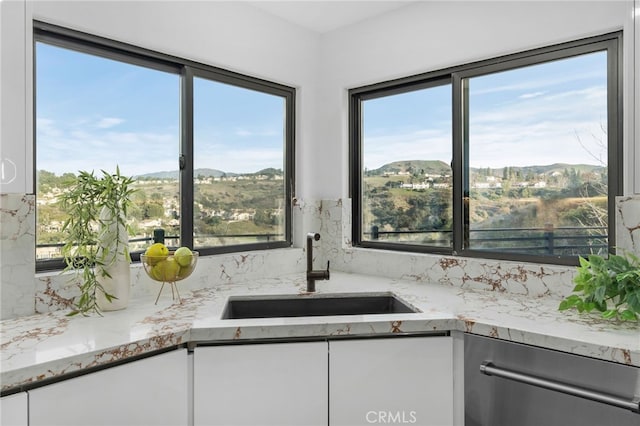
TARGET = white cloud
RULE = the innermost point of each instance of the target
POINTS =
(75, 148)
(71, 149)
(531, 95)
(108, 122)
(538, 83)
(541, 129)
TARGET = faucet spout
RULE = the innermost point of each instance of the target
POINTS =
(312, 275)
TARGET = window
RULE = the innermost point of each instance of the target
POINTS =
(242, 131)
(408, 201)
(514, 158)
(211, 151)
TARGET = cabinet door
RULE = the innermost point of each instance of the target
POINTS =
(151, 391)
(391, 381)
(14, 410)
(261, 384)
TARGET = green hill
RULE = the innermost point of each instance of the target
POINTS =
(544, 170)
(431, 167)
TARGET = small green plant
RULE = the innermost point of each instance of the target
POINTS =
(97, 208)
(610, 286)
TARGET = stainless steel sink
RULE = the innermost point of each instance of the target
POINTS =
(315, 305)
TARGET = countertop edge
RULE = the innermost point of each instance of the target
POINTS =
(60, 369)
(51, 346)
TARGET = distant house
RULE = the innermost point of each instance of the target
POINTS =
(415, 186)
(151, 223)
(441, 185)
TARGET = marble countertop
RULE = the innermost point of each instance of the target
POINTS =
(47, 346)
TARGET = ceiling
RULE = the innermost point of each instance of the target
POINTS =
(328, 15)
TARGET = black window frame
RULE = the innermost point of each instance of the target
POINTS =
(611, 42)
(187, 70)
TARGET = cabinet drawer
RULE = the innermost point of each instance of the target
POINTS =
(261, 384)
(150, 391)
(392, 380)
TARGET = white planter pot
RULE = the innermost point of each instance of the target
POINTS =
(118, 282)
(118, 285)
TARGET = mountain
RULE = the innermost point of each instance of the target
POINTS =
(212, 173)
(544, 170)
(270, 171)
(158, 175)
(431, 167)
(204, 172)
(440, 167)
(174, 174)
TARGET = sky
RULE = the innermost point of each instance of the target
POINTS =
(549, 113)
(94, 113)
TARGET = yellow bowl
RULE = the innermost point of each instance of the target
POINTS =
(167, 268)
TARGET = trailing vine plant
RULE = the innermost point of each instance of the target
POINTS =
(89, 248)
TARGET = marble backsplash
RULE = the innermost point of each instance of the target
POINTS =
(535, 280)
(628, 224)
(17, 254)
(23, 292)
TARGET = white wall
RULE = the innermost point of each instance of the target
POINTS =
(437, 34)
(231, 35)
(416, 38)
(14, 155)
(635, 117)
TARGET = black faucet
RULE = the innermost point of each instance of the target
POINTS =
(312, 275)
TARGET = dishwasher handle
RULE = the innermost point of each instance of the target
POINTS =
(489, 369)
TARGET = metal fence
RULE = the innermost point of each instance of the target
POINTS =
(548, 240)
(139, 243)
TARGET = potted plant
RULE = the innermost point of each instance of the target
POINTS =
(610, 286)
(97, 240)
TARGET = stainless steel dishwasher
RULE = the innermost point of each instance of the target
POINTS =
(512, 384)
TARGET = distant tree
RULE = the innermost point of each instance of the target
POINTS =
(262, 218)
(67, 179)
(152, 211)
(46, 181)
(212, 220)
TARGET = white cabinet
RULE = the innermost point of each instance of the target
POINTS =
(14, 410)
(340, 382)
(361, 382)
(391, 381)
(261, 384)
(150, 391)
